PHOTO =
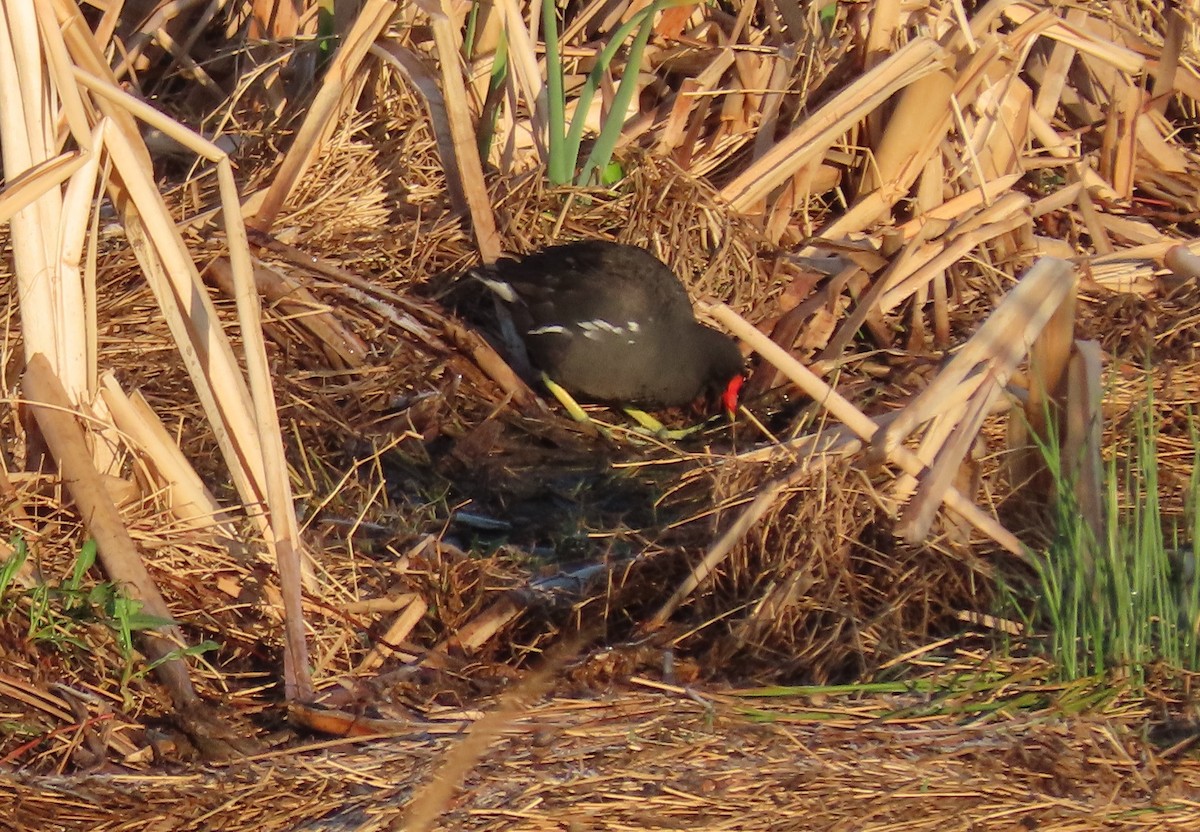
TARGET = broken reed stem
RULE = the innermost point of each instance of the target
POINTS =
(55, 416)
(432, 799)
(320, 121)
(914, 60)
(464, 166)
(244, 419)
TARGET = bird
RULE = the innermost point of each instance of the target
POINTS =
(612, 323)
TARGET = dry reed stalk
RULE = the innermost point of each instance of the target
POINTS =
(1061, 198)
(397, 631)
(463, 166)
(25, 188)
(918, 58)
(670, 136)
(1083, 434)
(917, 519)
(689, 108)
(274, 19)
(1150, 130)
(885, 21)
(854, 419)
(1006, 216)
(413, 65)
(187, 497)
(1118, 57)
(49, 283)
(914, 133)
(52, 408)
(245, 424)
(999, 343)
(1167, 71)
(1049, 354)
(107, 26)
(868, 303)
(688, 150)
(580, 27)
(929, 196)
(782, 67)
(296, 304)
(1054, 79)
(244, 421)
(962, 204)
(476, 632)
(1118, 156)
(177, 288)
(372, 606)
(1090, 215)
(320, 120)
(1046, 401)
(936, 434)
(524, 78)
(1127, 272)
(1001, 133)
(158, 28)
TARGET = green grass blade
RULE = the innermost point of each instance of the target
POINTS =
(1120, 604)
(10, 567)
(491, 106)
(610, 132)
(327, 39)
(468, 45)
(603, 60)
(561, 162)
(588, 92)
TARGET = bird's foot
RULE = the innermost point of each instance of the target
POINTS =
(656, 428)
(647, 423)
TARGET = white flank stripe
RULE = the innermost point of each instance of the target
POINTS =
(601, 325)
(502, 289)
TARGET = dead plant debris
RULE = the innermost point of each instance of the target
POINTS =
(884, 198)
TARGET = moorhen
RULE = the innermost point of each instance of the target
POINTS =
(612, 323)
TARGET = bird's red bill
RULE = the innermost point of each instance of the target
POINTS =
(730, 397)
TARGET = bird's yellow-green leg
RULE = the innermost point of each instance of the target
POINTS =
(644, 419)
(656, 427)
(565, 399)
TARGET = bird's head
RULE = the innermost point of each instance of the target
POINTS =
(726, 368)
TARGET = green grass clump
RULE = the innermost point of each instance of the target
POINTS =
(1131, 600)
(60, 615)
(564, 144)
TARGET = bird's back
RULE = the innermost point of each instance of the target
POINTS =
(596, 280)
(614, 323)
